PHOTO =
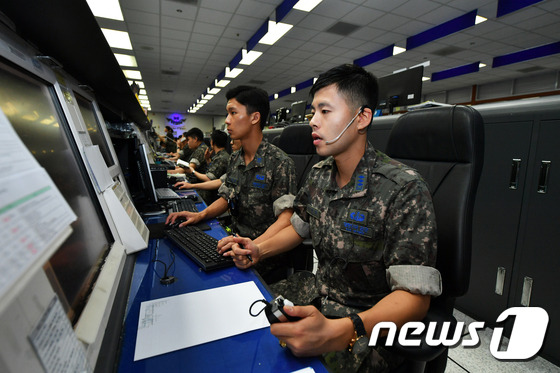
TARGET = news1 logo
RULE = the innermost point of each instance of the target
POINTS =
(527, 335)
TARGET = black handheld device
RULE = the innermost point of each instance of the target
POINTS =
(275, 310)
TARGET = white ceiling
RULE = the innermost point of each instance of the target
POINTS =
(181, 47)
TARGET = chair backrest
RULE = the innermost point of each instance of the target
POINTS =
(446, 146)
(297, 142)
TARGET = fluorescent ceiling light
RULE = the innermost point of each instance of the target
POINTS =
(202, 102)
(425, 78)
(132, 74)
(222, 83)
(398, 50)
(106, 9)
(208, 97)
(293, 89)
(425, 64)
(142, 97)
(249, 57)
(481, 65)
(276, 96)
(306, 5)
(143, 92)
(126, 60)
(275, 32)
(233, 73)
(480, 19)
(117, 39)
(214, 91)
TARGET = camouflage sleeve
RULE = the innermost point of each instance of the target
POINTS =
(198, 156)
(284, 185)
(411, 241)
(283, 203)
(300, 217)
(414, 279)
(224, 190)
(218, 167)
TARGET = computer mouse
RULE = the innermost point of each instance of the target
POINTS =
(175, 224)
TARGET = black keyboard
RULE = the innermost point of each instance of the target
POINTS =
(199, 246)
(183, 204)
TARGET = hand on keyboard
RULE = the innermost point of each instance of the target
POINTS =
(190, 217)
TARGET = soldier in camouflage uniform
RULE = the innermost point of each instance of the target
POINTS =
(195, 142)
(372, 224)
(260, 185)
(216, 167)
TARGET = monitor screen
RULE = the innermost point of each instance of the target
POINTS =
(401, 89)
(35, 113)
(94, 129)
(298, 111)
(145, 174)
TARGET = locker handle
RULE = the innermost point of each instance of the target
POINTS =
(514, 175)
(526, 291)
(500, 279)
(543, 177)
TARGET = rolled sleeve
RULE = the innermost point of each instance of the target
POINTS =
(224, 191)
(301, 227)
(283, 203)
(211, 176)
(195, 161)
(415, 279)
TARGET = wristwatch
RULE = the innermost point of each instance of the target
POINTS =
(359, 330)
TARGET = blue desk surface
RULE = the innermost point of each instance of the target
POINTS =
(255, 351)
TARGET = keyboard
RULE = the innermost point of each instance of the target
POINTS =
(183, 204)
(166, 193)
(199, 246)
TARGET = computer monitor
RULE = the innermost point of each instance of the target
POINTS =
(32, 107)
(94, 129)
(401, 89)
(139, 177)
(298, 111)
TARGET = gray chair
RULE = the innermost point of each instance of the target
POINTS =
(446, 146)
(297, 142)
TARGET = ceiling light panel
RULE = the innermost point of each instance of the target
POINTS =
(117, 39)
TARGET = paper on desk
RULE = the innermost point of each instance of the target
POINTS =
(186, 320)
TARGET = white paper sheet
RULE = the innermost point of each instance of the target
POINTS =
(34, 216)
(186, 320)
(56, 344)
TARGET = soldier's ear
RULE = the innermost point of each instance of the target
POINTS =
(255, 118)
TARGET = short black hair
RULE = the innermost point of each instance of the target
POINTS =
(169, 128)
(219, 138)
(358, 86)
(253, 98)
(195, 133)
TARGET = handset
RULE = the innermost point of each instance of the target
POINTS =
(275, 310)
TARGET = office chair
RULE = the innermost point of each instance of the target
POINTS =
(296, 141)
(446, 146)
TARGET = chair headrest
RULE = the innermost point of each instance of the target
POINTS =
(435, 134)
(297, 139)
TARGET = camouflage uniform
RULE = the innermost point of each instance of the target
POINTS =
(217, 167)
(198, 159)
(259, 192)
(375, 235)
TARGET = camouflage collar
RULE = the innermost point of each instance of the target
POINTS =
(259, 159)
(359, 183)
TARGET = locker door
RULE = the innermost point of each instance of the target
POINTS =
(496, 218)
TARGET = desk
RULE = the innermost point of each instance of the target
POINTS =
(255, 351)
